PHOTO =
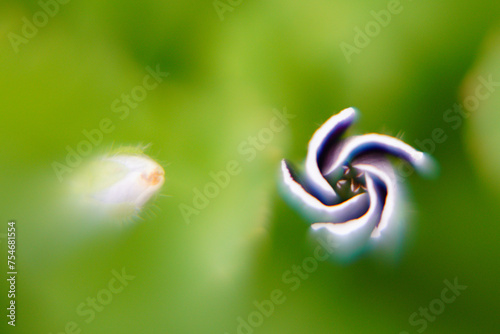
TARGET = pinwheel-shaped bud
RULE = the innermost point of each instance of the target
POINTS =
(349, 189)
(118, 184)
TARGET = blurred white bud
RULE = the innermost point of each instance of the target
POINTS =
(118, 184)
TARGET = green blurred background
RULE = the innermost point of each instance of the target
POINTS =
(229, 68)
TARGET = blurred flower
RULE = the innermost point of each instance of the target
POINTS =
(118, 184)
(349, 187)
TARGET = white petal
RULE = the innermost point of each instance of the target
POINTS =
(314, 209)
(331, 130)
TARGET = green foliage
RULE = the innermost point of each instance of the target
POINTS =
(226, 79)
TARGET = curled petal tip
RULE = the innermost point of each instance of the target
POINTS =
(427, 166)
(353, 111)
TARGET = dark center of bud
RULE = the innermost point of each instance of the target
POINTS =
(351, 183)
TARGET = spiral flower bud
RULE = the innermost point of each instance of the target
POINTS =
(349, 187)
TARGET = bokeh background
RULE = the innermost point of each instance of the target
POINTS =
(230, 64)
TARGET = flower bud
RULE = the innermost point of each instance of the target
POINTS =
(118, 184)
(349, 188)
